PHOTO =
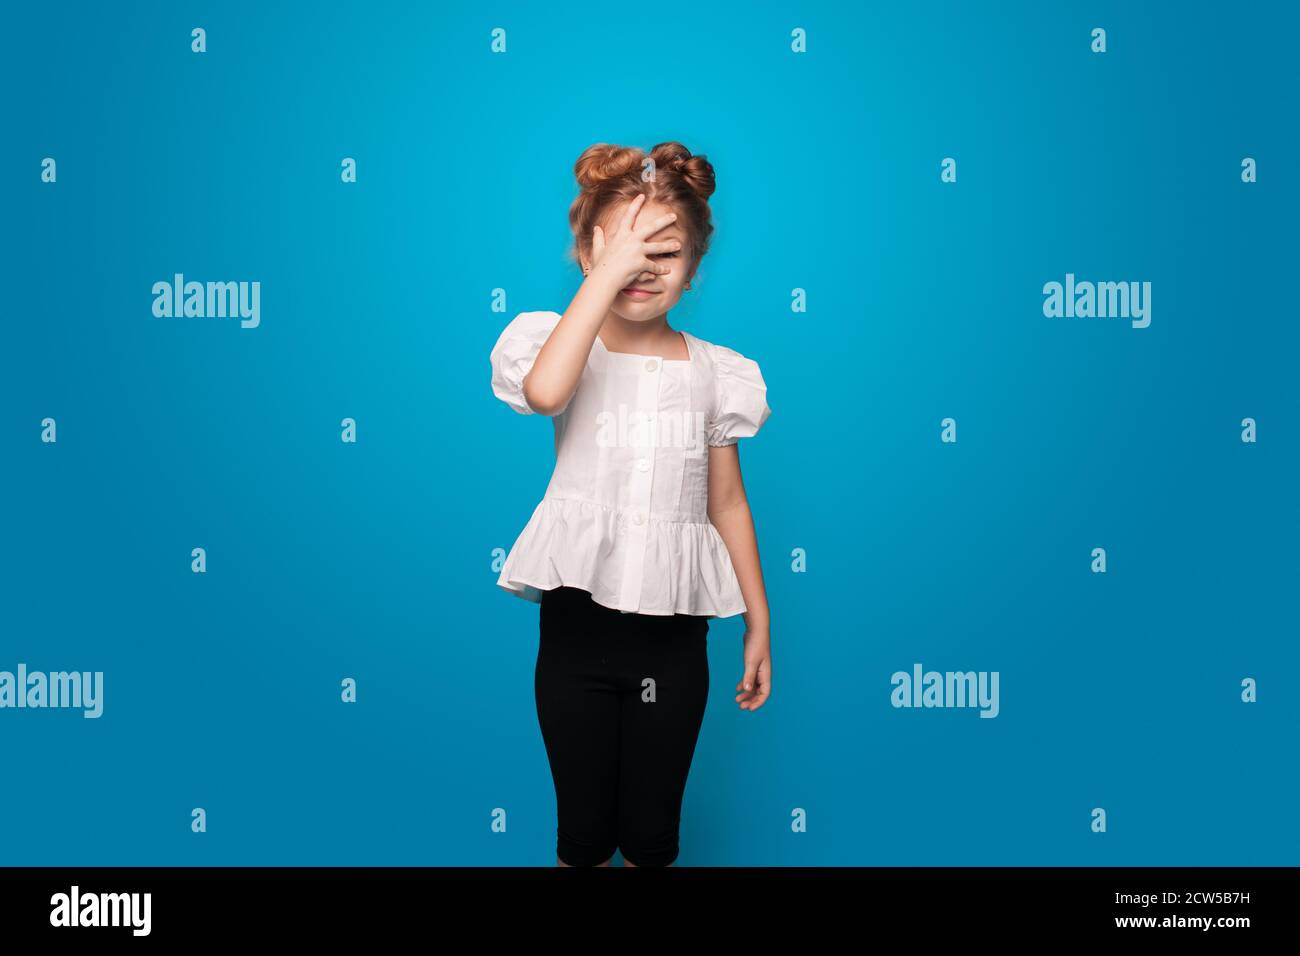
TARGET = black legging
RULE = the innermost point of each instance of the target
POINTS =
(620, 700)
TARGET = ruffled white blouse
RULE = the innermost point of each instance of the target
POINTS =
(625, 515)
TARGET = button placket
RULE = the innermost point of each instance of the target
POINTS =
(641, 485)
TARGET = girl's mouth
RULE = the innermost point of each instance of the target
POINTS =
(638, 293)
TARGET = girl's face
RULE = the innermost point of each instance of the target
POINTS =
(666, 288)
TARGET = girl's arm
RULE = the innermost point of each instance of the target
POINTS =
(550, 383)
(555, 374)
(729, 512)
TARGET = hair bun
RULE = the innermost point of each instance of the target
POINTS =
(602, 162)
(696, 171)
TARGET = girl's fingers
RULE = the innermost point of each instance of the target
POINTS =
(761, 687)
(753, 699)
(629, 215)
(650, 228)
(597, 245)
(666, 245)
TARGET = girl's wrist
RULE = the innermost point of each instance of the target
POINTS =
(603, 277)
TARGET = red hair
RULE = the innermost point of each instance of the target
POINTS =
(609, 174)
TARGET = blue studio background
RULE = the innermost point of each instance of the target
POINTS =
(1119, 690)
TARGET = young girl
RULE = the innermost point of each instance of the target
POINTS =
(644, 532)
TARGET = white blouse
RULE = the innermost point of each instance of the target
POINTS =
(625, 516)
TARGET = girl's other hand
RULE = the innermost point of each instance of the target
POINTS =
(626, 253)
(756, 686)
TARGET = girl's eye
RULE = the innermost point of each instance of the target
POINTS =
(669, 255)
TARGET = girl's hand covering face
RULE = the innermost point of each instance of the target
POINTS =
(626, 254)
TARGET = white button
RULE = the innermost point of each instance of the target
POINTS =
(643, 464)
(639, 518)
(651, 364)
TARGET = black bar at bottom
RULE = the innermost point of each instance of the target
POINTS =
(487, 904)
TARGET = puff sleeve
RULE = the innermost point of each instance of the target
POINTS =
(741, 398)
(514, 353)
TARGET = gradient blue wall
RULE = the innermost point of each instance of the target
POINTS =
(374, 561)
